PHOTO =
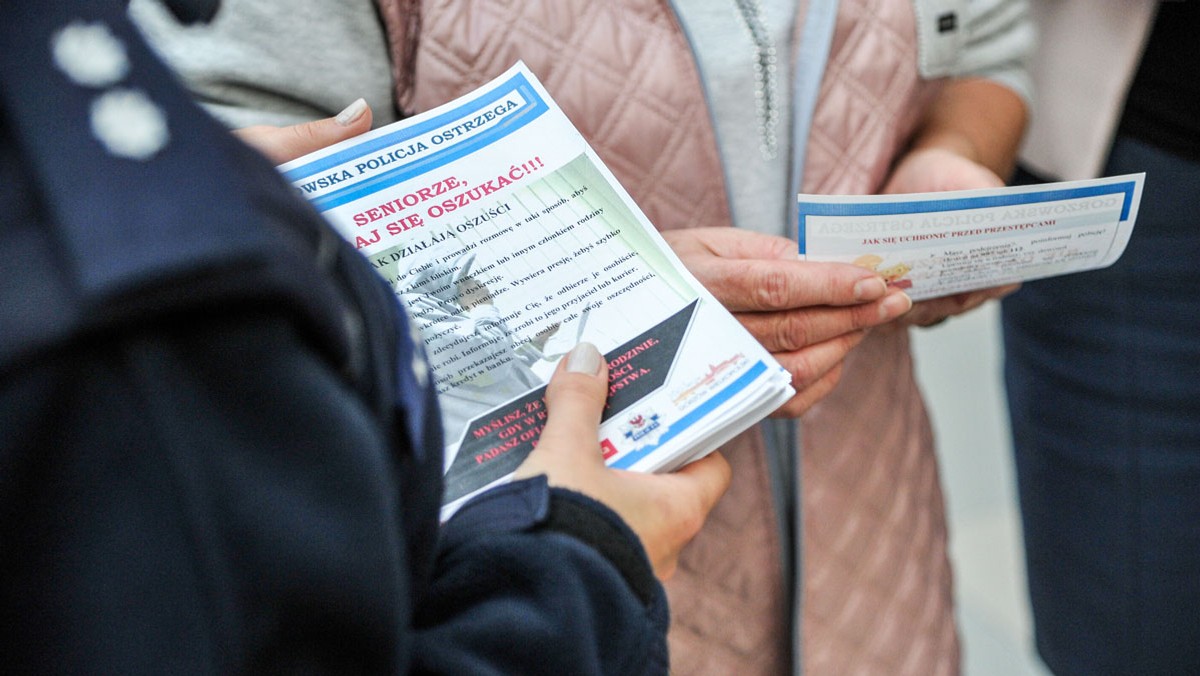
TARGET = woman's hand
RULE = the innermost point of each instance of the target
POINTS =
(936, 310)
(808, 315)
(665, 510)
(969, 138)
(934, 169)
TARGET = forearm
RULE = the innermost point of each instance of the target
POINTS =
(978, 119)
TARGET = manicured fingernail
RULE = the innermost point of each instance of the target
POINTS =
(352, 112)
(894, 305)
(585, 358)
(869, 288)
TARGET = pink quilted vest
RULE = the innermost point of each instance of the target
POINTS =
(877, 585)
(624, 73)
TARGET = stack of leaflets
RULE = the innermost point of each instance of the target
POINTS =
(510, 242)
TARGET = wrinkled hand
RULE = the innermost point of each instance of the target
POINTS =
(808, 315)
(283, 144)
(665, 510)
(933, 170)
(936, 310)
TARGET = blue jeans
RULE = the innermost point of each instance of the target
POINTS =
(1103, 377)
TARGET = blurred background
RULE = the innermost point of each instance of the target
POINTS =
(959, 366)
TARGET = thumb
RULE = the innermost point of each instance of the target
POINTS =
(709, 477)
(283, 144)
(575, 400)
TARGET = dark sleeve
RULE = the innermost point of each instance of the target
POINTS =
(518, 567)
(209, 496)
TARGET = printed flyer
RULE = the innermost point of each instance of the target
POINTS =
(509, 242)
(936, 244)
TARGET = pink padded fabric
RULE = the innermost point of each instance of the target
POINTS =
(621, 70)
(877, 583)
(870, 99)
(624, 74)
(878, 595)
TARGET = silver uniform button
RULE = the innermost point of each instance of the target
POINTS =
(129, 124)
(89, 54)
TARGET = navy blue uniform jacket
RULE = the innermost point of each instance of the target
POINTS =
(214, 455)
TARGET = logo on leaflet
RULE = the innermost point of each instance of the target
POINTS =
(639, 426)
(717, 375)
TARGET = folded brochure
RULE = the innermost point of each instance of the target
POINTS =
(509, 242)
(936, 244)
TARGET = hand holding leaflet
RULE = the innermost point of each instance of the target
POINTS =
(936, 244)
(809, 315)
(509, 240)
(941, 162)
(666, 511)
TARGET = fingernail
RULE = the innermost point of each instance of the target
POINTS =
(585, 358)
(352, 112)
(895, 305)
(869, 288)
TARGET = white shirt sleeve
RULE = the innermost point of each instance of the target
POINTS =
(992, 39)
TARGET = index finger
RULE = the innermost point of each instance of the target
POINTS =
(769, 285)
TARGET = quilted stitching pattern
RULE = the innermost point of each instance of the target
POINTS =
(870, 98)
(622, 72)
(877, 580)
(877, 584)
